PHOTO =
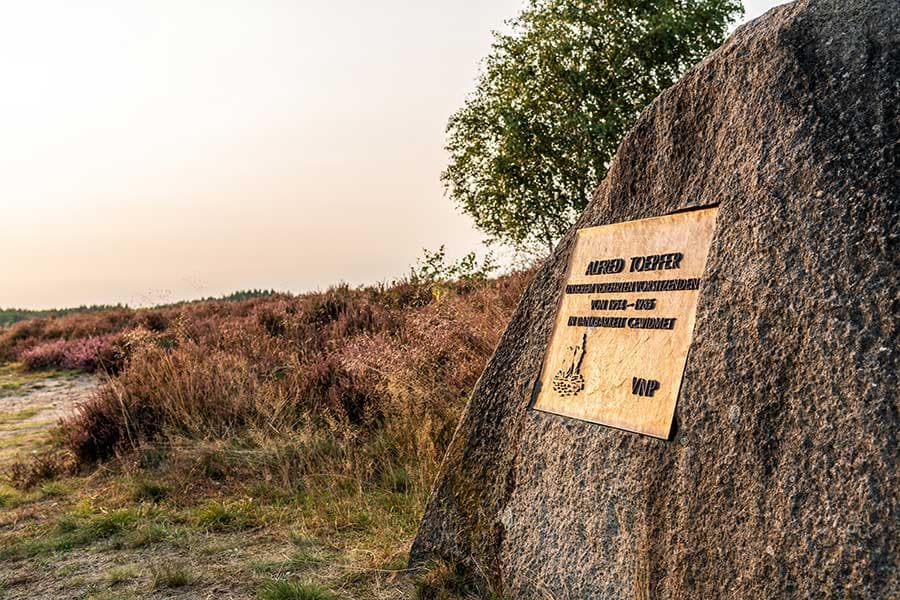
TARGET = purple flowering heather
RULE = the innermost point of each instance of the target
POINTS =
(82, 354)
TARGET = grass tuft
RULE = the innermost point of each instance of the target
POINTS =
(174, 576)
(10, 497)
(43, 465)
(290, 590)
(55, 489)
(81, 527)
(74, 531)
(218, 516)
(147, 490)
(121, 574)
(151, 533)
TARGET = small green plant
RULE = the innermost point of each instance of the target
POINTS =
(214, 464)
(107, 524)
(267, 566)
(290, 590)
(81, 527)
(67, 524)
(111, 595)
(174, 576)
(397, 480)
(306, 557)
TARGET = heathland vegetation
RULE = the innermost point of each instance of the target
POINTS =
(317, 419)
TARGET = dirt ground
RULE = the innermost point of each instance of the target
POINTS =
(112, 534)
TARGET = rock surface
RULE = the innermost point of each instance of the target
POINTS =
(780, 478)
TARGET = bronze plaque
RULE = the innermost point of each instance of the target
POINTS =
(625, 320)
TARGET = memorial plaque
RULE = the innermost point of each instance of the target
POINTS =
(625, 321)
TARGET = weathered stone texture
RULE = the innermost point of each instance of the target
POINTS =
(780, 478)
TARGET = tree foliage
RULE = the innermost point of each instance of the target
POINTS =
(555, 97)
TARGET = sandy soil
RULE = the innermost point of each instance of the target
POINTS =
(52, 398)
(29, 408)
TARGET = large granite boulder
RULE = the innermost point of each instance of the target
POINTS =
(780, 479)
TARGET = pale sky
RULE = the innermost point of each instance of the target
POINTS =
(159, 150)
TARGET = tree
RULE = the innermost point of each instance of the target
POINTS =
(556, 96)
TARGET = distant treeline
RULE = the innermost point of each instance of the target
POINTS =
(244, 295)
(9, 316)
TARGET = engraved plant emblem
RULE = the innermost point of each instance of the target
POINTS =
(568, 382)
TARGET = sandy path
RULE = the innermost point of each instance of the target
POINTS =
(31, 409)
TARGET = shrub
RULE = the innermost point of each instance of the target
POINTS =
(103, 425)
(153, 320)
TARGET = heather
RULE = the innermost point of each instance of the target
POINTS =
(83, 354)
(368, 382)
(343, 369)
(47, 337)
(55, 335)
